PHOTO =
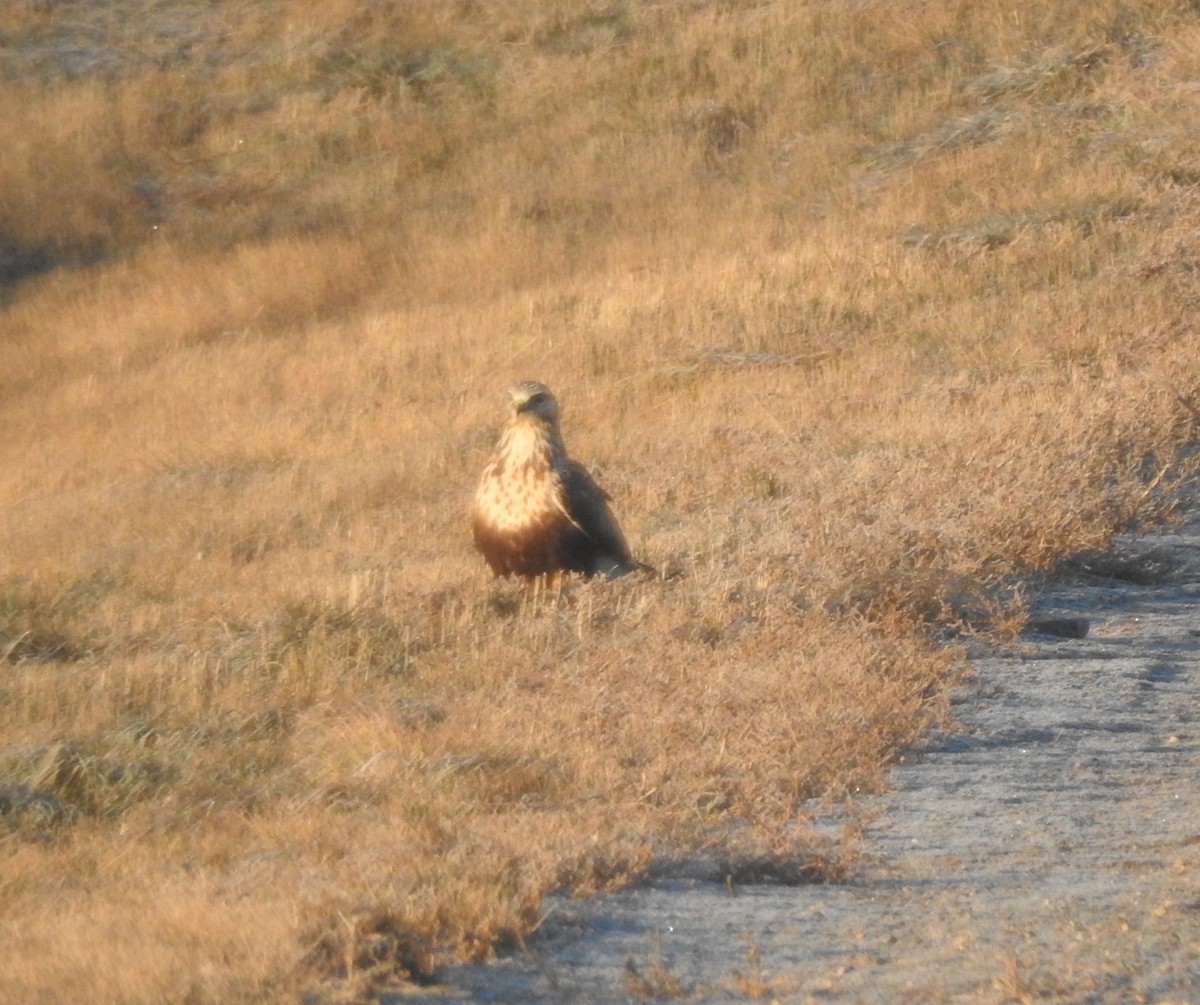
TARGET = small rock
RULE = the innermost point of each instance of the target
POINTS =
(1064, 628)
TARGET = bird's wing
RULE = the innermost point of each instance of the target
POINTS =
(586, 504)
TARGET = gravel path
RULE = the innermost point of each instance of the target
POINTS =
(1049, 851)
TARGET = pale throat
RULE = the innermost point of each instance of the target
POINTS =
(528, 442)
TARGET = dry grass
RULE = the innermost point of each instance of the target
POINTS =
(860, 316)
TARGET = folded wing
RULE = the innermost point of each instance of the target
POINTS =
(598, 545)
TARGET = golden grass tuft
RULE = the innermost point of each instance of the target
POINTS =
(861, 319)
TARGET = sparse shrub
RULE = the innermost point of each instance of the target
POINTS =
(428, 74)
(370, 951)
(753, 981)
(653, 978)
(66, 779)
(38, 627)
(363, 641)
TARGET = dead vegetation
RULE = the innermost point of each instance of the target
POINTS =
(862, 318)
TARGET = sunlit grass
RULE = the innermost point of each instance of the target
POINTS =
(859, 319)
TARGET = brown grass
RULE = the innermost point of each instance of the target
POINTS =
(860, 318)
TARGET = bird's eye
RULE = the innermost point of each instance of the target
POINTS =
(537, 399)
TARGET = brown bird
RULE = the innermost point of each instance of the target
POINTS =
(537, 512)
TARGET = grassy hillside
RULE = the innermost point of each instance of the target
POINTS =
(860, 311)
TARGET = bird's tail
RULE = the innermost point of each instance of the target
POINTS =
(614, 568)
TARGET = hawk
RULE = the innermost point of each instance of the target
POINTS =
(537, 512)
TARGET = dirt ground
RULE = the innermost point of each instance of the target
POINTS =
(1046, 849)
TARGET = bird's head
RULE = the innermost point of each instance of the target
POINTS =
(537, 401)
